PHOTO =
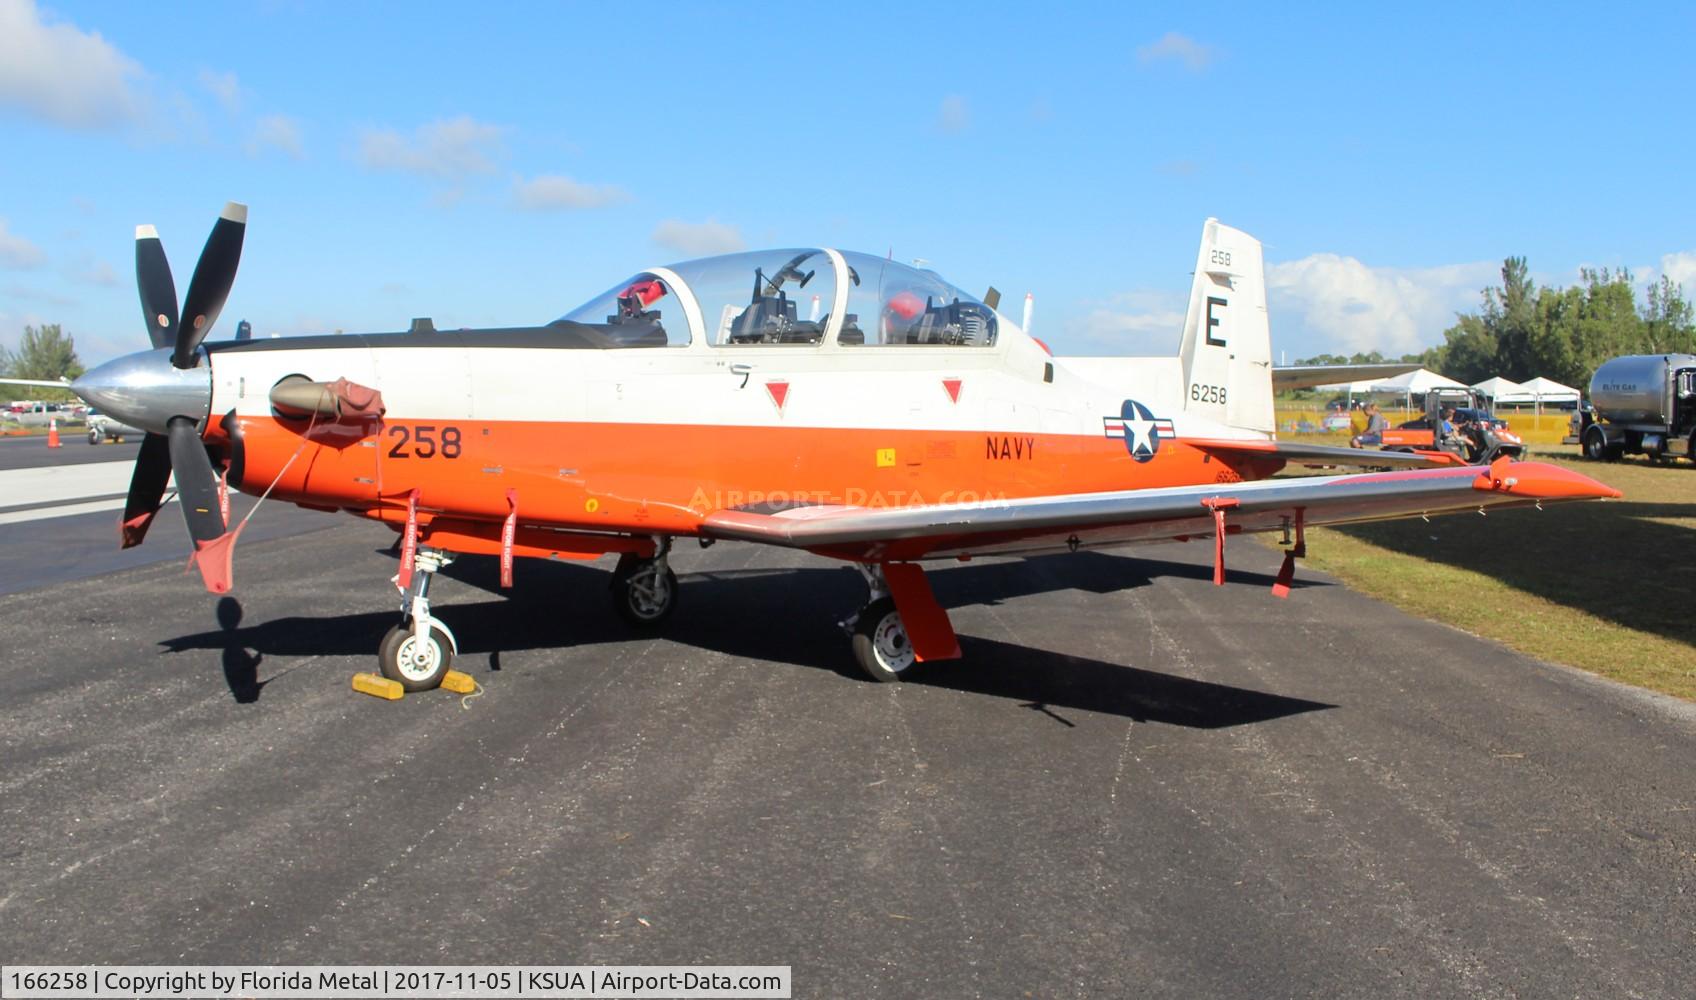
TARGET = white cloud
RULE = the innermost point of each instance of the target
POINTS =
(698, 239)
(60, 74)
(225, 87)
(449, 148)
(24, 293)
(16, 252)
(1178, 48)
(952, 116)
(1145, 322)
(1352, 307)
(554, 192)
(1681, 267)
(89, 271)
(279, 132)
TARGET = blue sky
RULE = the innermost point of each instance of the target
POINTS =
(499, 166)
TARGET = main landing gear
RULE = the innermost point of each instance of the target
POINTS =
(881, 645)
(644, 591)
(420, 650)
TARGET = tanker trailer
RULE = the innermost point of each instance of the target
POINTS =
(1644, 404)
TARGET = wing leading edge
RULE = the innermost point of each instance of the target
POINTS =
(1037, 524)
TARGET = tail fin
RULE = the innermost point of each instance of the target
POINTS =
(1227, 347)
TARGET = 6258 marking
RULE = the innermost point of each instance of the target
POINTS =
(423, 442)
(1207, 393)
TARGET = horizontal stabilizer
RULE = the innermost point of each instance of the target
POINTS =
(1307, 376)
(1323, 454)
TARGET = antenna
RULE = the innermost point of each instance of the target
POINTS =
(1030, 300)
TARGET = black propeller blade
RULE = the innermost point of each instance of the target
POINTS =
(210, 286)
(158, 291)
(180, 451)
(197, 484)
(147, 488)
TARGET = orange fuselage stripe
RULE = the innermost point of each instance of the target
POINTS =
(663, 478)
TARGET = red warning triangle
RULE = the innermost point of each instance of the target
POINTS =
(779, 392)
(952, 386)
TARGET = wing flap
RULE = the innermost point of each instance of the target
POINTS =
(1040, 523)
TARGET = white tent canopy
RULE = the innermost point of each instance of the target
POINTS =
(1540, 390)
(1496, 387)
(1416, 382)
(1360, 388)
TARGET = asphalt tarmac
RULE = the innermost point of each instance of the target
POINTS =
(1134, 784)
(28, 451)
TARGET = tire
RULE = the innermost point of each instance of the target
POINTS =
(1596, 445)
(397, 657)
(93, 436)
(880, 642)
(642, 599)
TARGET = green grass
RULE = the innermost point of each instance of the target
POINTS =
(1609, 587)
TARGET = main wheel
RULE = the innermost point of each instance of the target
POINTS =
(93, 436)
(1596, 445)
(645, 597)
(419, 665)
(880, 642)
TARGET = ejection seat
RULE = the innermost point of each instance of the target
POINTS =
(771, 319)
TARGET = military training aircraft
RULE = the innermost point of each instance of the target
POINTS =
(818, 399)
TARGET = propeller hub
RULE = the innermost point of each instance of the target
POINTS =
(145, 390)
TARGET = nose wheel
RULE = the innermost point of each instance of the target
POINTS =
(644, 591)
(419, 651)
(418, 662)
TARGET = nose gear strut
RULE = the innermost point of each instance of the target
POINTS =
(420, 650)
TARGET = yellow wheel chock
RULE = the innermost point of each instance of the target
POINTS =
(379, 686)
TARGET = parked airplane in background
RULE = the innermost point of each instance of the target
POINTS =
(818, 399)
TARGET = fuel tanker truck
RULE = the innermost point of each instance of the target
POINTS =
(1643, 404)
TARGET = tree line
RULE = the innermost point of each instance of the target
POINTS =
(45, 352)
(1522, 330)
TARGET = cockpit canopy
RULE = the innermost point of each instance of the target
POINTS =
(787, 298)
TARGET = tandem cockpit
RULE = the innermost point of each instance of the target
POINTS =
(785, 298)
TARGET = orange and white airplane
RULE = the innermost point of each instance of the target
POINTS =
(818, 399)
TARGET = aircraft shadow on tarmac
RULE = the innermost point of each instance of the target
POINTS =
(1586, 556)
(729, 612)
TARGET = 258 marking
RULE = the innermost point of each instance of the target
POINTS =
(1207, 393)
(423, 442)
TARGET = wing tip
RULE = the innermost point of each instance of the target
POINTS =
(1542, 481)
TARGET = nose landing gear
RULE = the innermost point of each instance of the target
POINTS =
(419, 651)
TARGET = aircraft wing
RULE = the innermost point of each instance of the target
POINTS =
(8, 380)
(1035, 524)
(1307, 376)
(1323, 454)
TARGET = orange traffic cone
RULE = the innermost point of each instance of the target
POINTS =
(53, 433)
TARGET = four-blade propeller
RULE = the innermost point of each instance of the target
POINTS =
(180, 451)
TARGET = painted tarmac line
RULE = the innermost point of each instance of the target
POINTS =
(61, 510)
